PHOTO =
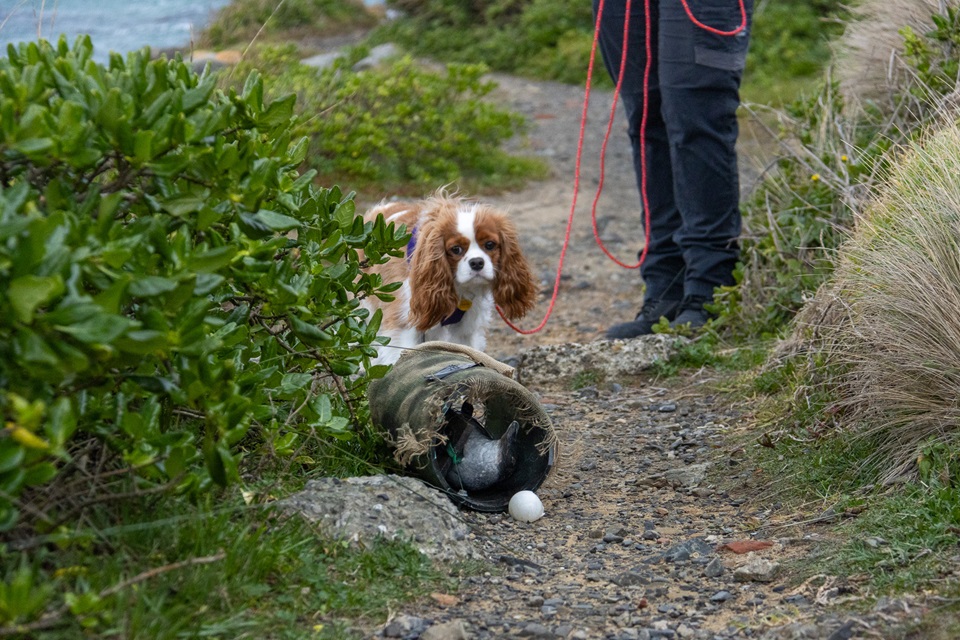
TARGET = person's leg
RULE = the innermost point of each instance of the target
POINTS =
(662, 269)
(700, 76)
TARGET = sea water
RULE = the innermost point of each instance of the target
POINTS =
(113, 25)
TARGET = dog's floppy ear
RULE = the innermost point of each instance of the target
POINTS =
(433, 294)
(514, 289)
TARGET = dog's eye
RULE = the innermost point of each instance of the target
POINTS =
(489, 245)
(456, 249)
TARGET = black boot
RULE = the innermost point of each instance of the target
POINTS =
(649, 315)
(692, 314)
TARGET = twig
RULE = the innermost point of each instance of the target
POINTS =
(26, 506)
(12, 11)
(243, 54)
(323, 360)
(77, 508)
(150, 573)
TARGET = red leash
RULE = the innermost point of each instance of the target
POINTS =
(606, 138)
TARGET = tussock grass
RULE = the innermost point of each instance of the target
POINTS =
(866, 56)
(889, 324)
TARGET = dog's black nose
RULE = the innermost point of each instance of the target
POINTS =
(476, 264)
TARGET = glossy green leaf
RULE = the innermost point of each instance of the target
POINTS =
(27, 293)
(292, 383)
(8, 516)
(185, 204)
(147, 286)
(216, 465)
(40, 473)
(212, 260)
(61, 422)
(270, 220)
(33, 146)
(11, 455)
(322, 406)
(100, 328)
(309, 333)
(142, 342)
(33, 349)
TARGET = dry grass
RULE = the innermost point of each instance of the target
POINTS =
(866, 56)
(889, 325)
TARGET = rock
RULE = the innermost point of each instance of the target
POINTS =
(794, 631)
(687, 550)
(683, 631)
(322, 60)
(845, 632)
(714, 568)
(404, 626)
(756, 569)
(556, 363)
(686, 477)
(362, 509)
(378, 55)
(535, 630)
(745, 546)
(452, 630)
(630, 579)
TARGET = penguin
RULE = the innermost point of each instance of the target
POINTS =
(485, 461)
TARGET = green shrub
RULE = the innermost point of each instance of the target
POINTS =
(399, 128)
(790, 42)
(799, 214)
(239, 22)
(536, 38)
(932, 55)
(552, 40)
(175, 298)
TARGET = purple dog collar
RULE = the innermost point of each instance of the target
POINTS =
(412, 245)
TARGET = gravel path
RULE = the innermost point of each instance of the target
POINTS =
(653, 505)
(647, 534)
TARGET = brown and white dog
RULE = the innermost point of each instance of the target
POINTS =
(463, 259)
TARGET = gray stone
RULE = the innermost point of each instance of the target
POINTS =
(393, 507)
(714, 568)
(630, 579)
(535, 630)
(794, 631)
(404, 626)
(557, 363)
(322, 60)
(452, 630)
(756, 569)
(378, 55)
(692, 548)
(686, 477)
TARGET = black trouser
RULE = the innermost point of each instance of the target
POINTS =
(693, 186)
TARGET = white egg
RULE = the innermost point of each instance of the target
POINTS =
(525, 506)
